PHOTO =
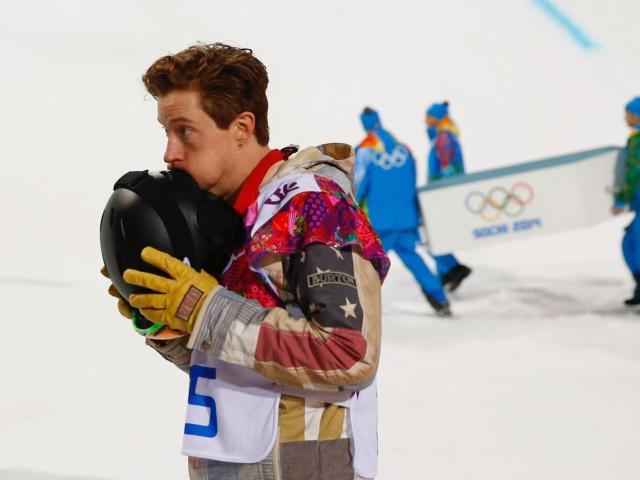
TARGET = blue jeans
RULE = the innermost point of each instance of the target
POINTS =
(631, 246)
(403, 242)
(444, 263)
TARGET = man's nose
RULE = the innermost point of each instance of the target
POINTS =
(173, 152)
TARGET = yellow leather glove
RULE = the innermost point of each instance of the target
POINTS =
(123, 306)
(177, 300)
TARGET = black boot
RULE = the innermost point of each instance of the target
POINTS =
(635, 300)
(442, 309)
(454, 277)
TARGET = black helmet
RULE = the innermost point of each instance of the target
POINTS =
(168, 211)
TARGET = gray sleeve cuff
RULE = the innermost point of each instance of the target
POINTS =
(174, 351)
(223, 308)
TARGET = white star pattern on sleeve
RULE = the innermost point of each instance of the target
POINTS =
(349, 308)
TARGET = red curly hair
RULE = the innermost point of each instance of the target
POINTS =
(230, 80)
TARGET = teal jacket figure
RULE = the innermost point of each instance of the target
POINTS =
(385, 178)
(628, 195)
(445, 159)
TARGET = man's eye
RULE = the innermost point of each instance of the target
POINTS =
(184, 131)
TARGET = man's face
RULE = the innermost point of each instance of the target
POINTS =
(431, 121)
(195, 143)
(631, 119)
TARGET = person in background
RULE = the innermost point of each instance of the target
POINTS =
(385, 178)
(445, 160)
(628, 195)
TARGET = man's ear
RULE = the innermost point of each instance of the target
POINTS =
(244, 125)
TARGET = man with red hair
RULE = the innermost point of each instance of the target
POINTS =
(282, 349)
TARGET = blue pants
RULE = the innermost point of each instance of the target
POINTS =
(404, 244)
(631, 246)
(444, 263)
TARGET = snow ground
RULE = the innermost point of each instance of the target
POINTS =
(538, 374)
(30, 475)
(536, 377)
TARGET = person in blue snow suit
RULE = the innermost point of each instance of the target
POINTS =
(445, 160)
(385, 178)
(628, 194)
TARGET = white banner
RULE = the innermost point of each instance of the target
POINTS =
(519, 201)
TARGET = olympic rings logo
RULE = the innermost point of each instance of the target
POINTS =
(500, 201)
(396, 159)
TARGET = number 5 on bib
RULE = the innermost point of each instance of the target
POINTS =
(211, 430)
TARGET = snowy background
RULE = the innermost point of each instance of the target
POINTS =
(538, 375)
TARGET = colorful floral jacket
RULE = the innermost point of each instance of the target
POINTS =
(301, 298)
(445, 157)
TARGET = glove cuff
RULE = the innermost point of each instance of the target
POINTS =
(215, 319)
(197, 325)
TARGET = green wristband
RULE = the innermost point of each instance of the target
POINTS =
(154, 328)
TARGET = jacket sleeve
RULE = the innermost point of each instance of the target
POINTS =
(433, 165)
(363, 173)
(174, 351)
(458, 161)
(327, 337)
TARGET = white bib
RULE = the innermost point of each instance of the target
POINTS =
(363, 414)
(232, 412)
(277, 193)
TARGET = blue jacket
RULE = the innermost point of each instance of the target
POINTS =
(385, 177)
